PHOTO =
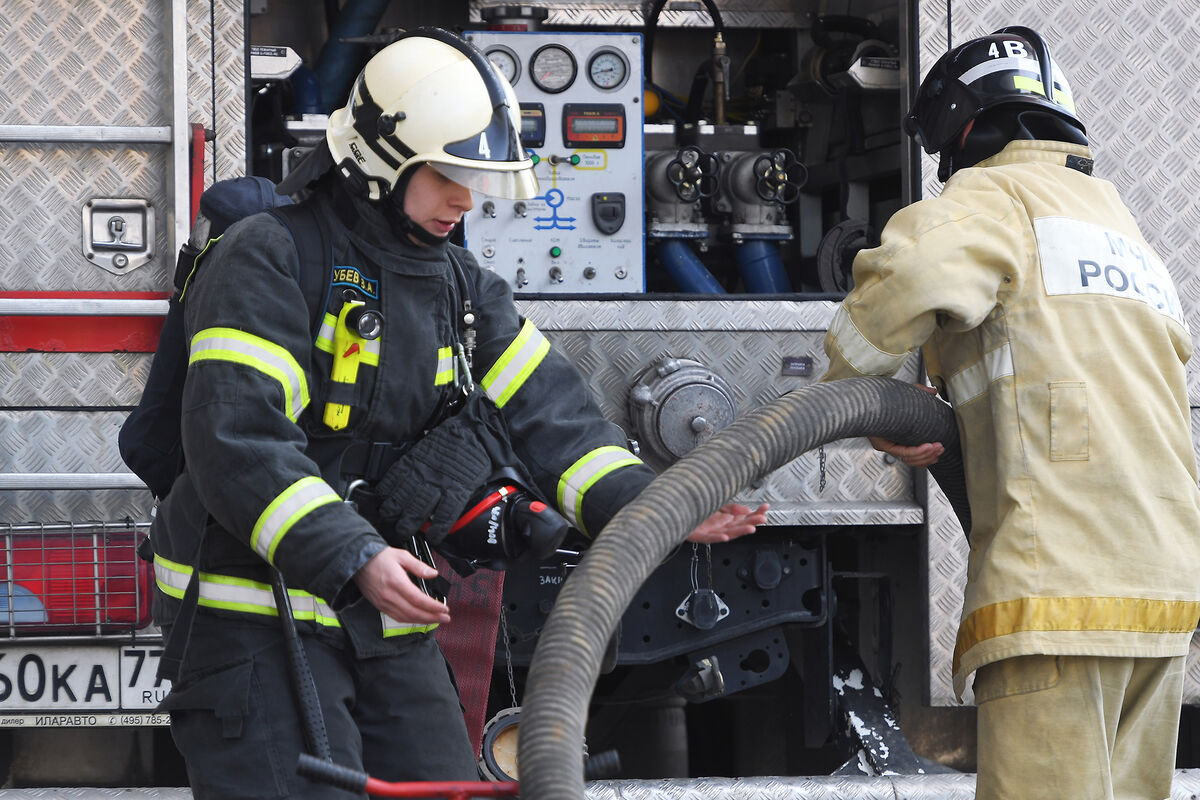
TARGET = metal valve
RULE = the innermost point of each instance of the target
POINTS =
(694, 174)
(779, 176)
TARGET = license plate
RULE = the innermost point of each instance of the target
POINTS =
(107, 678)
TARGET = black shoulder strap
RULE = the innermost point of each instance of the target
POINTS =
(316, 257)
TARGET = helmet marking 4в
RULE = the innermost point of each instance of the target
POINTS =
(431, 98)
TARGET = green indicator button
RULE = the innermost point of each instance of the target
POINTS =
(555, 251)
(535, 158)
(575, 159)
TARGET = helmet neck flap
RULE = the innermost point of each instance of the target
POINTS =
(994, 129)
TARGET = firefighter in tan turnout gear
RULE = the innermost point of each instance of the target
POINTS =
(404, 405)
(1056, 333)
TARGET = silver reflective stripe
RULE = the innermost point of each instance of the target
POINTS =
(1007, 64)
(579, 477)
(393, 628)
(239, 347)
(974, 381)
(864, 357)
(515, 364)
(292, 504)
(239, 594)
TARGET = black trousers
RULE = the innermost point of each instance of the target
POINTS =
(234, 717)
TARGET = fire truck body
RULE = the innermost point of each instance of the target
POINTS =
(688, 258)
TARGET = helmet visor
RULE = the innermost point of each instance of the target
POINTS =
(512, 184)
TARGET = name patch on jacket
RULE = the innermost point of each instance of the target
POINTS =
(350, 276)
(1084, 258)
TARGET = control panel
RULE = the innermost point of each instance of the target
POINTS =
(581, 120)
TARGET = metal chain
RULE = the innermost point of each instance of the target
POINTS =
(512, 683)
(821, 464)
(693, 566)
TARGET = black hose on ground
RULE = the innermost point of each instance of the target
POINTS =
(566, 661)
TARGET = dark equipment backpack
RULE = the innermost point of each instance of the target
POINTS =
(149, 439)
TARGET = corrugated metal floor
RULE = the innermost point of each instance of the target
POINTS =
(908, 787)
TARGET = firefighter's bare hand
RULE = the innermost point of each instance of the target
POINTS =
(728, 522)
(386, 581)
(919, 455)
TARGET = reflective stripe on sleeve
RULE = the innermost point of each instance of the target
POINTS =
(444, 372)
(864, 357)
(515, 364)
(324, 342)
(974, 381)
(239, 594)
(575, 482)
(239, 347)
(284, 511)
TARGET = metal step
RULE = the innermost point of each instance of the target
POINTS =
(911, 787)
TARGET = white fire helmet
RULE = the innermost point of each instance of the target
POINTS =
(432, 98)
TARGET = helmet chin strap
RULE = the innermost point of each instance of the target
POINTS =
(393, 211)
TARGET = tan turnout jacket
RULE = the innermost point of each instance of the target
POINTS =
(1057, 334)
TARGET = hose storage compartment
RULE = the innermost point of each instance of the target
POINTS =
(566, 662)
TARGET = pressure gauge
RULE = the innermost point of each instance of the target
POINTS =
(552, 68)
(608, 69)
(505, 61)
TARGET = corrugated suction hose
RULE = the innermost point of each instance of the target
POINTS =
(566, 662)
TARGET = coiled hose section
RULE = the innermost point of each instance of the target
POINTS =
(566, 661)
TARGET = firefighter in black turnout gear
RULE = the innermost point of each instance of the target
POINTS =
(334, 462)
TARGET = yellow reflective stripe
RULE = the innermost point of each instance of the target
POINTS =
(325, 333)
(1027, 84)
(974, 381)
(575, 482)
(444, 372)
(864, 357)
(239, 594)
(515, 364)
(393, 628)
(370, 348)
(239, 347)
(286, 510)
(1130, 614)
(1034, 85)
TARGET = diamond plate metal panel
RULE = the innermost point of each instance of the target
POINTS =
(65, 443)
(1138, 89)
(89, 380)
(84, 62)
(734, 14)
(77, 63)
(745, 342)
(45, 187)
(217, 83)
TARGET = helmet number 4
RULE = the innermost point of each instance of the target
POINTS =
(484, 150)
